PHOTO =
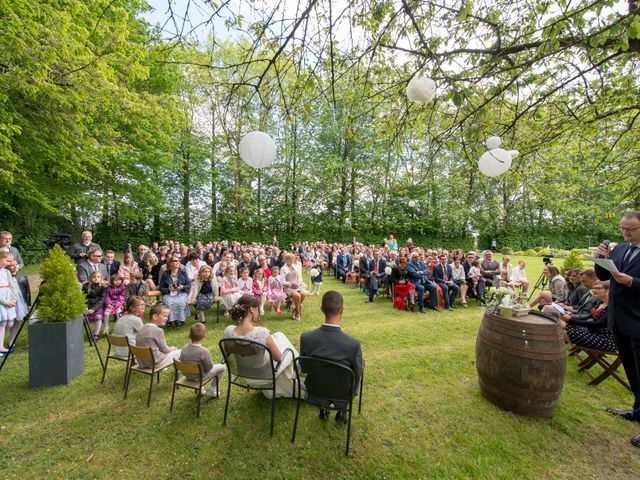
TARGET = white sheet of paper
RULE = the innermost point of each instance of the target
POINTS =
(605, 263)
(558, 307)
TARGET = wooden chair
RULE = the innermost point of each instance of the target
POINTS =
(598, 357)
(193, 369)
(145, 353)
(328, 385)
(117, 341)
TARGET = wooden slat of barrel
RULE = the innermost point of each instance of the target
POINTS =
(521, 363)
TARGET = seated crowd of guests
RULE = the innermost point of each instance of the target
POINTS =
(415, 275)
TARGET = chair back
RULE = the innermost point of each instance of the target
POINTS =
(327, 383)
(247, 359)
(142, 353)
(118, 340)
(188, 369)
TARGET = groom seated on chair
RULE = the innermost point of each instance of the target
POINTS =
(331, 343)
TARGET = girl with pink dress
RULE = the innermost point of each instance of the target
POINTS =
(275, 292)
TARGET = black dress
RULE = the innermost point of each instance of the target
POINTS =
(592, 333)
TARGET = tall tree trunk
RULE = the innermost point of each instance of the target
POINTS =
(214, 174)
(186, 193)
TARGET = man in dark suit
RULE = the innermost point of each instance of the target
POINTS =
(343, 264)
(377, 276)
(247, 262)
(92, 263)
(363, 267)
(442, 275)
(331, 343)
(624, 307)
(111, 263)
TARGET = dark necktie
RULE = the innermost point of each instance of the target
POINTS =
(630, 255)
(444, 272)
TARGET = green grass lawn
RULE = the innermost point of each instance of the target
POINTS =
(423, 416)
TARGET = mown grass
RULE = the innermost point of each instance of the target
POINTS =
(423, 416)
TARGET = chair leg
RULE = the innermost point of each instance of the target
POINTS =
(295, 421)
(150, 389)
(173, 394)
(198, 401)
(104, 370)
(126, 370)
(360, 399)
(126, 383)
(273, 409)
(226, 405)
(346, 453)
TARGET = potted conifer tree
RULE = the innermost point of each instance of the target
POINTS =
(56, 339)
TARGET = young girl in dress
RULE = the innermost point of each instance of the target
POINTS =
(275, 292)
(204, 292)
(229, 291)
(260, 288)
(245, 283)
(316, 280)
(474, 275)
(22, 293)
(96, 294)
(114, 301)
(7, 298)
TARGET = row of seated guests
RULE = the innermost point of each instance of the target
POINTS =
(328, 342)
(436, 272)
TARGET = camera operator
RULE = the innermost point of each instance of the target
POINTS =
(5, 246)
(82, 248)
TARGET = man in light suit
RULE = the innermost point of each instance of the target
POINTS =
(442, 275)
(331, 343)
(92, 263)
(624, 307)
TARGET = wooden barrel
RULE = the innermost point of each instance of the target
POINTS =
(521, 363)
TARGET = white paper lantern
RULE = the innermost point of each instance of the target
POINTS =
(412, 203)
(421, 89)
(493, 142)
(314, 272)
(494, 162)
(388, 270)
(257, 149)
(513, 153)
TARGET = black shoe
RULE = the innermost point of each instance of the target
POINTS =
(324, 413)
(437, 309)
(449, 308)
(635, 441)
(341, 417)
(630, 415)
(412, 307)
(422, 310)
(368, 301)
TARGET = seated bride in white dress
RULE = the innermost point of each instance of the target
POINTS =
(247, 312)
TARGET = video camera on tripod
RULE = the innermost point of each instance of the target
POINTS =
(548, 259)
(62, 239)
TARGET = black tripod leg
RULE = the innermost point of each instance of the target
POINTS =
(25, 321)
(87, 330)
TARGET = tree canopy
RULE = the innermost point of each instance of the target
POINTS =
(132, 129)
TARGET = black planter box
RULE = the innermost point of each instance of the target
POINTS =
(56, 352)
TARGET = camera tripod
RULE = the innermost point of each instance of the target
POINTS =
(26, 320)
(541, 284)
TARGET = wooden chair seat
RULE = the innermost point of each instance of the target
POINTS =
(145, 353)
(197, 385)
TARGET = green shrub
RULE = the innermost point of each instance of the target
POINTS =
(61, 298)
(572, 260)
(507, 251)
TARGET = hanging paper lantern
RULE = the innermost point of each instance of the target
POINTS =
(494, 162)
(493, 142)
(513, 153)
(412, 203)
(388, 270)
(421, 89)
(257, 149)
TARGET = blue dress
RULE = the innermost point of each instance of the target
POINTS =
(7, 294)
